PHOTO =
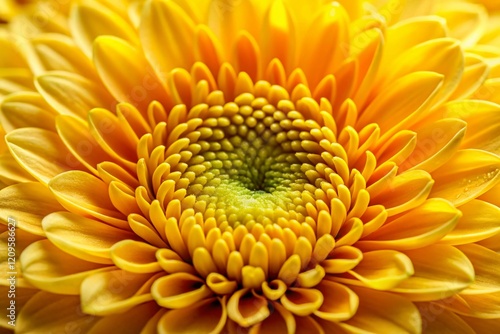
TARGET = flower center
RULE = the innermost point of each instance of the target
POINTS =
(248, 155)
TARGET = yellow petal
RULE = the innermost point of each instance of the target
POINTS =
(28, 203)
(302, 301)
(484, 306)
(85, 194)
(480, 221)
(75, 134)
(417, 228)
(406, 191)
(55, 52)
(49, 268)
(340, 303)
(135, 256)
(41, 153)
(443, 56)
(91, 19)
(342, 259)
(466, 22)
(71, 94)
(138, 85)
(402, 103)
(23, 295)
(482, 325)
(436, 144)
(26, 109)
(373, 311)
(247, 308)
(280, 321)
(436, 320)
(84, 238)
(318, 58)
(440, 271)
(380, 270)
(177, 31)
(115, 291)
(11, 172)
(179, 290)
(129, 322)
(467, 175)
(210, 314)
(475, 72)
(482, 119)
(486, 268)
(47, 312)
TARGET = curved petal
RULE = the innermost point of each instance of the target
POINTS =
(417, 228)
(135, 256)
(302, 301)
(247, 308)
(179, 290)
(280, 321)
(129, 322)
(436, 144)
(340, 303)
(480, 220)
(138, 85)
(11, 172)
(380, 270)
(440, 271)
(211, 315)
(25, 110)
(49, 268)
(91, 19)
(46, 312)
(378, 310)
(75, 134)
(115, 291)
(86, 195)
(436, 320)
(482, 325)
(84, 238)
(484, 306)
(405, 192)
(486, 269)
(467, 175)
(41, 153)
(28, 203)
(71, 94)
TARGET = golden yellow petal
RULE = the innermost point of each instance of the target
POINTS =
(436, 144)
(52, 270)
(280, 321)
(129, 322)
(28, 203)
(342, 259)
(71, 94)
(247, 308)
(340, 303)
(380, 270)
(302, 301)
(115, 291)
(406, 191)
(417, 228)
(46, 312)
(436, 320)
(179, 290)
(41, 153)
(373, 311)
(467, 175)
(84, 238)
(210, 314)
(440, 271)
(486, 269)
(138, 85)
(24, 110)
(135, 256)
(91, 19)
(84, 194)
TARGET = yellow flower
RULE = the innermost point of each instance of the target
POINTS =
(220, 166)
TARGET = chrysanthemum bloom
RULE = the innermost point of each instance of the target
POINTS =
(262, 166)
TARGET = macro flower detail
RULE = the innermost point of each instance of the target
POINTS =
(251, 166)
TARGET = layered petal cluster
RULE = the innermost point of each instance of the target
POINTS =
(277, 166)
